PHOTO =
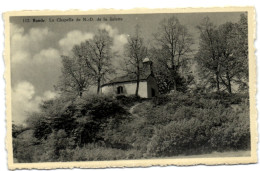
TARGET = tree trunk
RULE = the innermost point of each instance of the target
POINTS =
(174, 79)
(217, 82)
(229, 83)
(174, 84)
(137, 78)
(174, 73)
(137, 85)
(98, 85)
(80, 91)
(229, 88)
(137, 88)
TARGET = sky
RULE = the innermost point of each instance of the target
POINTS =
(36, 48)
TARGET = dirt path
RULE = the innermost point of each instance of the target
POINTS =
(133, 107)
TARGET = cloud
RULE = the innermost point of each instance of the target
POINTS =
(76, 37)
(24, 45)
(48, 95)
(25, 102)
(112, 32)
(72, 38)
(47, 55)
(119, 40)
(16, 30)
(33, 58)
(42, 69)
(23, 91)
(119, 43)
(19, 56)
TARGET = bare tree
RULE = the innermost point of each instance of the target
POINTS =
(90, 64)
(223, 54)
(173, 38)
(207, 56)
(229, 65)
(135, 52)
(75, 76)
(238, 40)
(97, 55)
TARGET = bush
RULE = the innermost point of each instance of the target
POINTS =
(100, 128)
(118, 135)
(56, 147)
(226, 98)
(175, 138)
(26, 148)
(81, 119)
(234, 133)
(128, 100)
(161, 99)
(93, 152)
(193, 130)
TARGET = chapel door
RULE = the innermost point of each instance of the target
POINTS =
(153, 92)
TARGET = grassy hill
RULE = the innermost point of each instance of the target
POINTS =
(111, 128)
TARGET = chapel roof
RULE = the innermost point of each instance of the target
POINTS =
(146, 59)
(127, 78)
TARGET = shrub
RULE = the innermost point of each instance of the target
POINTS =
(134, 154)
(81, 119)
(26, 148)
(93, 152)
(226, 98)
(193, 130)
(234, 133)
(128, 100)
(56, 147)
(174, 138)
(118, 135)
(39, 123)
(100, 128)
(18, 129)
(161, 99)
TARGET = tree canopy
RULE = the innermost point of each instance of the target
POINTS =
(89, 64)
(135, 51)
(223, 54)
(170, 53)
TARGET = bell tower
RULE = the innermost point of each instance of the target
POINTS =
(147, 66)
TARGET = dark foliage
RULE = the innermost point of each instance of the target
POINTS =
(81, 119)
(100, 128)
(192, 124)
(17, 129)
(128, 100)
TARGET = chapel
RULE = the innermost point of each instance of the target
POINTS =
(126, 85)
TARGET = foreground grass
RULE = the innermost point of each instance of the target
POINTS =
(240, 153)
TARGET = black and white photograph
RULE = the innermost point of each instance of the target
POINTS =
(131, 87)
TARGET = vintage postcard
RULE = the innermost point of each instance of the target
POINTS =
(130, 88)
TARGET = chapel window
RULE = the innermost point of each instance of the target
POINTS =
(119, 90)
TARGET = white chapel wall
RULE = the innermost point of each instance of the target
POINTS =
(128, 88)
